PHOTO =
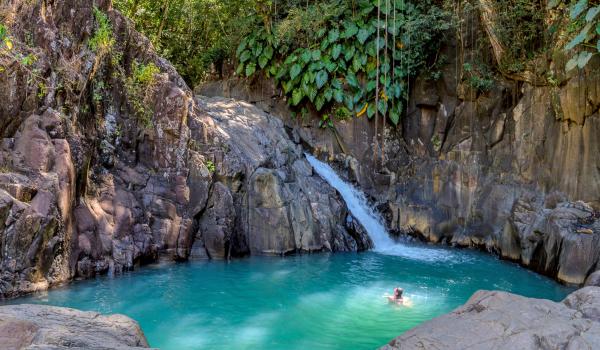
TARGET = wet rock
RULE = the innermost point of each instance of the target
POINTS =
(49, 327)
(499, 320)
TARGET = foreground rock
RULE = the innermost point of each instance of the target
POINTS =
(49, 327)
(499, 320)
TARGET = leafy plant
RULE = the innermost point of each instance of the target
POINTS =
(102, 41)
(210, 165)
(5, 41)
(139, 86)
(360, 56)
(586, 18)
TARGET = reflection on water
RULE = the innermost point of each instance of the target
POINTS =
(304, 302)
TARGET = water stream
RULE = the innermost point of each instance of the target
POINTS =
(372, 221)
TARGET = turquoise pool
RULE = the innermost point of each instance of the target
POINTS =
(320, 301)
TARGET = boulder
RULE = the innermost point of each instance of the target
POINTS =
(500, 320)
(48, 327)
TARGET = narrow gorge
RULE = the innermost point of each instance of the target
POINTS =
(306, 158)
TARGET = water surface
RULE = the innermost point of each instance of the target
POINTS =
(321, 301)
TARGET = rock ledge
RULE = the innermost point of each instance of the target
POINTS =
(50, 327)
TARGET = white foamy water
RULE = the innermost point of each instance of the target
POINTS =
(372, 221)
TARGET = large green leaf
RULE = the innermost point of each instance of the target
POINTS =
(312, 93)
(268, 52)
(319, 102)
(263, 61)
(240, 69)
(257, 50)
(290, 59)
(584, 58)
(371, 110)
(394, 116)
(316, 55)
(356, 63)
(578, 8)
(297, 96)
(295, 71)
(349, 102)
(363, 35)
(349, 53)
(572, 63)
(336, 51)
(592, 13)
(580, 38)
(552, 4)
(328, 94)
(245, 56)
(338, 95)
(352, 80)
(333, 35)
(382, 106)
(330, 66)
(250, 69)
(238, 52)
(306, 56)
(336, 83)
(321, 78)
(371, 85)
(351, 29)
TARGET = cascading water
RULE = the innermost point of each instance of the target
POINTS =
(372, 221)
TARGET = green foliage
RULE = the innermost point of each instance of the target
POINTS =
(139, 86)
(479, 76)
(520, 25)
(102, 41)
(5, 42)
(584, 19)
(338, 62)
(197, 36)
(210, 165)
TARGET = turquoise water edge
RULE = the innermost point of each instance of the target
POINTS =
(318, 301)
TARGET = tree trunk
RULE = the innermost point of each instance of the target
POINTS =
(488, 14)
(163, 20)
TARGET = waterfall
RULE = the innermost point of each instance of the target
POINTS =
(372, 222)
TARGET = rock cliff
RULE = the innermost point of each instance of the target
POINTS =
(499, 320)
(514, 170)
(108, 161)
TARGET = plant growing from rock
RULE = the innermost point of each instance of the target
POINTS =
(140, 86)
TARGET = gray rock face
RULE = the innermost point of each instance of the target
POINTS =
(49, 327)
(499, 320)
(284, 206)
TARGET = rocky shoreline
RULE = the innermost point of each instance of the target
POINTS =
(499, 320)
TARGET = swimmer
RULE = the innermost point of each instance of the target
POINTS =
(397, 297)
